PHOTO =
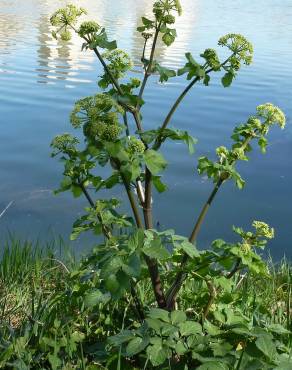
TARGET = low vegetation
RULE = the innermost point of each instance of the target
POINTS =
(146, 298)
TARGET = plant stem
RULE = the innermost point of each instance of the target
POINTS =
(149, 67)
(151, 262)
(106, 231)
(158, 141)
(212, 297)
(234, 270)
(137, 303)
(180, 277)
(147, 207)
(133, 203)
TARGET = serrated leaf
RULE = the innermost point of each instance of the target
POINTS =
(158, 313)
(154, 161)
(189, 328)
(178, 317)
(95, 297)
(189, 249)
(123, 337)
(266, 345)
(135, 346)
(156, 354)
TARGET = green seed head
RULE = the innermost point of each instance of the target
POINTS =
(169, 19)
(109, 132)
(88, 28)
(136, 145)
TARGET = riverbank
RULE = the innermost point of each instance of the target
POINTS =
(51, 316)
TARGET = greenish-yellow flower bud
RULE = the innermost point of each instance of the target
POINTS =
(87, 28)
(263, 229)
(272, 114)
(169, 19)
(136, 145)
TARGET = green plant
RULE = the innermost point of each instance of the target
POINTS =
(211, 331)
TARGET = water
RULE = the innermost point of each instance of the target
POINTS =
(41, 78)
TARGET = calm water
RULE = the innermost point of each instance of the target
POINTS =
(40, 79)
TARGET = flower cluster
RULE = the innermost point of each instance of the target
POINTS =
(64, 18)
(93, 109)
(240, 47)
(119, 64)
(88, 28)
(64, 143)
(136, 146)
(211, 57)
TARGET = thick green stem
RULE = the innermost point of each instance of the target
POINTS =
(151, 263)
(158, 141)
(180, 277)
(133, 203)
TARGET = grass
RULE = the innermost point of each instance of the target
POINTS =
(34, 282)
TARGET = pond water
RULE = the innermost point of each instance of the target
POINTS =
(41, 78)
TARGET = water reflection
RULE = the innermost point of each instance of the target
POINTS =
(36, 72)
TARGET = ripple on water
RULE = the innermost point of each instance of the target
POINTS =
(40, 78)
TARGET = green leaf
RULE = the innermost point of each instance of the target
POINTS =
(227, 79)
(154, 161)
(190, 328)
(159, 185)
(165, 73)
(266, 345)
(148, 23)
(154, 324)
(155, 249)
(76, 190)
(178, 317)
(221, 349)
(156, 354)
(135, 346)
(123, 337)
(213, 365)
(189, 249)
(95, 297)
(112, 284)
(180, 348)
(206, 80)
(168, 38)
(278, 329)
(158, 313)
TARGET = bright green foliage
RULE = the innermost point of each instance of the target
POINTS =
(256, 127)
